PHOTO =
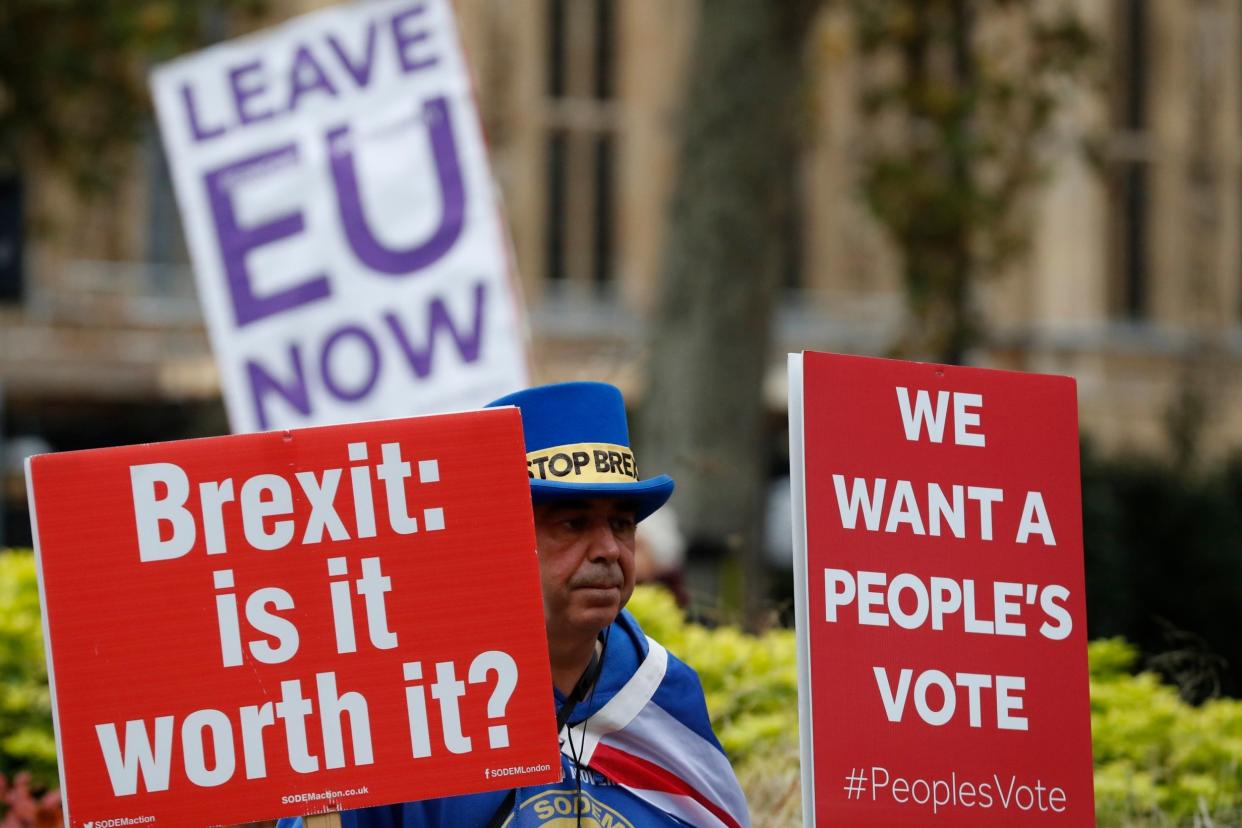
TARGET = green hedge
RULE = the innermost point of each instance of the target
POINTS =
(1154, 754)
(25, 704)
(1158, 760)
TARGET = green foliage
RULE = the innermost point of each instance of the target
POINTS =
(25, 703)
(72, 73)
(1156, 755)
(957, 100)
(1158, 760)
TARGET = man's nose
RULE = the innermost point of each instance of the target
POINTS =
(604, 543)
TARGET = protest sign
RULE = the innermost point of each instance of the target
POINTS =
(293, 622)
(341, 217)
(941, 615)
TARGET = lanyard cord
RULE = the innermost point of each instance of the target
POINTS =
(586, 682)
(577, 757)
(590, 678)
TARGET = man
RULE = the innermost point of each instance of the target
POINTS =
(637, 748)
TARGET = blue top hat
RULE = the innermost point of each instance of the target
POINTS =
(578, 445)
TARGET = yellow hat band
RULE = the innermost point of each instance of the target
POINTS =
(583, 463)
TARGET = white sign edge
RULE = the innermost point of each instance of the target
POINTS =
(47, 637)
(797, 506)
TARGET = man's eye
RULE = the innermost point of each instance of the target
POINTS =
(623, 525)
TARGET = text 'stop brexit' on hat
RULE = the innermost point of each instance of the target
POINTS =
(578, 445)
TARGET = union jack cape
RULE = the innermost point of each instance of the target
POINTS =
(654, 738)
(644, 732)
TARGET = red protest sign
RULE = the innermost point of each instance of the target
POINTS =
(272, 624)
(942, 621)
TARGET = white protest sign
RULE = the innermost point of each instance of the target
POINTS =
(341, 216)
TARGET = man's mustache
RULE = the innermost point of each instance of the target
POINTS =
(598, 577)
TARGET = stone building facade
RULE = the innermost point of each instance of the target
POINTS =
(1133, 283)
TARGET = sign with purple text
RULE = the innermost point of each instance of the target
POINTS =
(340, 212)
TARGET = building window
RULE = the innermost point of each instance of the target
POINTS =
(556, 189)
(166, 257)
(11, 234)
(580, 146)
(1131, 165)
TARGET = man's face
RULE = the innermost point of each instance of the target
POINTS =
(586, 563)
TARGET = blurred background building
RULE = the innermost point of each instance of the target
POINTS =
(1132, 280)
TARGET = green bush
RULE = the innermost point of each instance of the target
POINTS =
(1158, 760)
(1154, 754)
(26, 741)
